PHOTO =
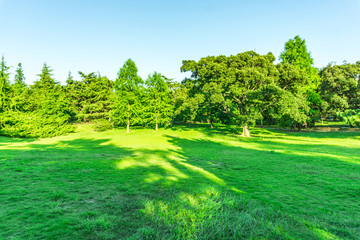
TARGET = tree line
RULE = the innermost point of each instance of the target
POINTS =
(243, 89)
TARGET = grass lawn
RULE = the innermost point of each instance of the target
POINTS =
(181, 183)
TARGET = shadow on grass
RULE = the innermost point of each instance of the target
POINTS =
(7, 140)
(198, 189)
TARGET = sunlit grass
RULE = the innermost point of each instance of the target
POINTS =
(181, 183)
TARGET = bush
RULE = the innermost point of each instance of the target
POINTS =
(101, 125)
(351, 117)
(33, 125)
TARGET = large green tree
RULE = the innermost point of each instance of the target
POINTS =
(340, 86)
(159, 106)
(231, 82)
(293, 104)
(46, 113)
(296, 54)
(91, 98)
(128, 90)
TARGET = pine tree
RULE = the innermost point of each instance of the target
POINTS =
(159, 107)
(4, 85)
(128, 90)
(296, 53)
(91, 96)
(19, 76)
(46, 80)
(19, 88)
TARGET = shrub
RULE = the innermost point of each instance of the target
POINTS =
(33, 125)
(351, 117)
(101, 125)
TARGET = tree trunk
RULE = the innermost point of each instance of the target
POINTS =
(128, 120)
(246, 132)
(156, 124)
(299, 127)
(322, 121)
(211, 124)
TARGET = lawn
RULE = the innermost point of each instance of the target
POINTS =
(181, 183)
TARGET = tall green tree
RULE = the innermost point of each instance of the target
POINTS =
(4, 85)
(46, 114)
(158, 101)
(19, 90)
(19, 78)
(48, 96)
(91, 97)
(205, 97)
(129, 91)
(294, 106)
(296, 53)
(46, 79)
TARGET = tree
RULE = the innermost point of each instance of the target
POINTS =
(69, 79)
(187, 102)
(46, 112)
(159, 108)
(19, 90)
(207, 93)
(351, 117)
(46, 80)
(296, 53)
(294, 107)
(48, 96)
(128, 91)
(4, 85)
(231, 82)
(340, 87)
(91, 97)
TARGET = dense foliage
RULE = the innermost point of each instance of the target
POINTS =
(243, 89)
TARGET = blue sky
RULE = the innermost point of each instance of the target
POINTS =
(99, 35)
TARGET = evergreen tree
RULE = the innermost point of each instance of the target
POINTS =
(19, 91)
(91, 97)
(69, 79)
(19, 76)
(128, 90)
(4, 85)
(159, 107)
(46, 80)
(296, 53)
(48, 96)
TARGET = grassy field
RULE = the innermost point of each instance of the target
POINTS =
(181, 183)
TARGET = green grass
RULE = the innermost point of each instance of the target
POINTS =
(181, 183)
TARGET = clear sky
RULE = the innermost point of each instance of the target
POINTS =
(100, 35)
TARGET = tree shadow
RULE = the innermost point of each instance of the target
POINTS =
(7, 140)
(288, 179)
